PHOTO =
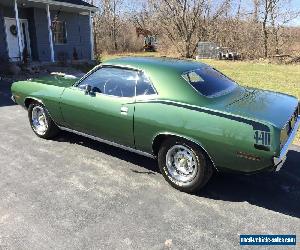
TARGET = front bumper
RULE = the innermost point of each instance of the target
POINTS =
(13, 99)
(278, 161)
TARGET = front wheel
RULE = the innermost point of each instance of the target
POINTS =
(184, 165)
(41, 122)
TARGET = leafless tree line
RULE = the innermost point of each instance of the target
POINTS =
(254, 28)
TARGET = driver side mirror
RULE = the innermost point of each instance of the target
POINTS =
(88, 90)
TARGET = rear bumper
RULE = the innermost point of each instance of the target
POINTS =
(278, 161)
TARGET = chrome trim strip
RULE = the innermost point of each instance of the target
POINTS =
(109, 142)
(188, 139)
(279, 160)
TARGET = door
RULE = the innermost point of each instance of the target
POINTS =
(12, 38)
(102, 105)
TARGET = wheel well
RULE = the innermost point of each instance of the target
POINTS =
(158, 141)
(28, 101)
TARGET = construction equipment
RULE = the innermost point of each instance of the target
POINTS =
(149, 39)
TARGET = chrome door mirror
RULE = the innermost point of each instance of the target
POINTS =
(88, 90)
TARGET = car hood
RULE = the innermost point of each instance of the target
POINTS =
(268, 106)
(55, 81)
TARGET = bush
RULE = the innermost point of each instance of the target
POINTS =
(4, 65)
(62, 58)
(8, 68)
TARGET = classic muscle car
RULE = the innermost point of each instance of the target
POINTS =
(188, 115)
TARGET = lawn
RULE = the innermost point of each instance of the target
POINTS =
(280, 78)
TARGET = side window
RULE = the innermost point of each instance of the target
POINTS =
(112, 81)
(144, 86)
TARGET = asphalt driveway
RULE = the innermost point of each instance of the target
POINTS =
(75, 193)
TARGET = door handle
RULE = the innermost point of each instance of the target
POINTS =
(124, 110)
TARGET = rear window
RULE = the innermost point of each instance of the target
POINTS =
(209, 82)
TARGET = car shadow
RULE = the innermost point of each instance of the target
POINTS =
(278, 191)
(150, 165)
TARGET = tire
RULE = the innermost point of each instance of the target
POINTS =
(195, 166)
(43, 127)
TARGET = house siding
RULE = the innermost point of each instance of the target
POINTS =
(32, 34)
(3, 44)
(42, 35)
(77, 27)
(78, 34)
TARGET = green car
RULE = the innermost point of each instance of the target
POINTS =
(188, 115)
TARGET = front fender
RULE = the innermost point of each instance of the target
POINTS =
(48, 95)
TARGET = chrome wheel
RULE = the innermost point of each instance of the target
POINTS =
(39, 120)
(181, 163)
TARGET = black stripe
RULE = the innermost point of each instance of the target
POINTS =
(254, 124)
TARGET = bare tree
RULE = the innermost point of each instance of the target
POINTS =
(279, 17)
(275, 15)
(267, 5)
(180, 22)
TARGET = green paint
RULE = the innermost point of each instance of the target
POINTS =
(222, 125)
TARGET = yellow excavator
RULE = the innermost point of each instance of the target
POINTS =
(149, 39)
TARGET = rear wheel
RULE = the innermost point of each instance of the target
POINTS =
(184, 165)
(41, 122)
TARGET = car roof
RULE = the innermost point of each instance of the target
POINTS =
(166, 76)
(156, 63)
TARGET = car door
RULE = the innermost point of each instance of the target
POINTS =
(76, 109)
(108, 99)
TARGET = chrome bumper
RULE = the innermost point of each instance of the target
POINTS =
(13, 99)
(278, 161)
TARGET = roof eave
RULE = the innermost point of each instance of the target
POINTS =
(51, 2)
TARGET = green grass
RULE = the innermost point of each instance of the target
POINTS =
(280, 78)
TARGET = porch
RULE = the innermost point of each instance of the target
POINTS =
(45, 30)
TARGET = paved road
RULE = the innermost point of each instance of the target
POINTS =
(74, 193)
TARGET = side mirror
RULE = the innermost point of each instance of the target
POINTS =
(88, 90)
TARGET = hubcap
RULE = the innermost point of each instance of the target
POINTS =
(181, 163)
(39, 121)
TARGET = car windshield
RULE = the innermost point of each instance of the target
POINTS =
(209, 82)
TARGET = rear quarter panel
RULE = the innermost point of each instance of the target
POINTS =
(221, 137)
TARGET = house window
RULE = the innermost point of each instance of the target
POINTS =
(59, 32)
